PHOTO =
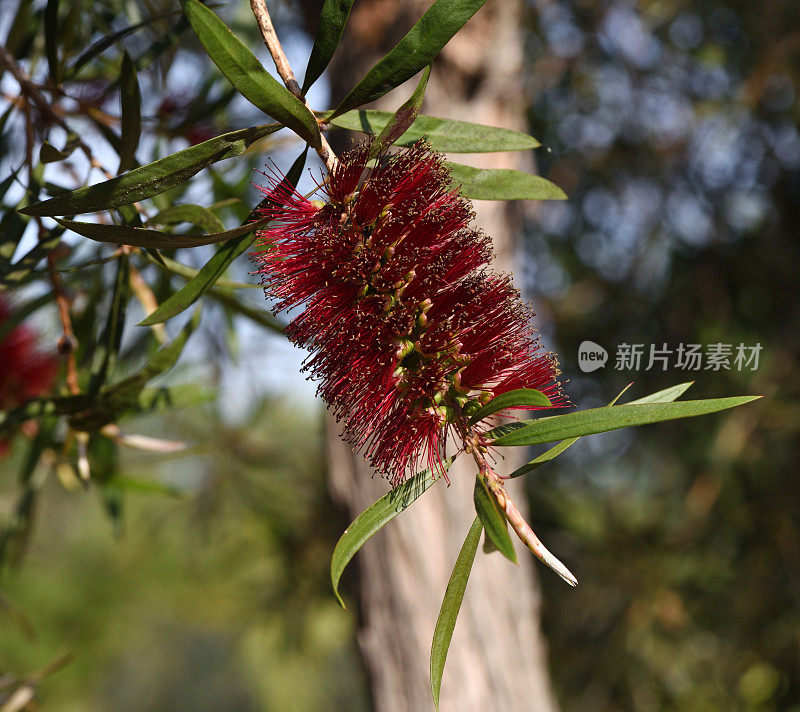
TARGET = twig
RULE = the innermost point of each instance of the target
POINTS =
(148, 301)
(522, 529)
(273, 44)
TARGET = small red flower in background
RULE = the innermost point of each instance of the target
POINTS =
(25, 372)
(408, 331)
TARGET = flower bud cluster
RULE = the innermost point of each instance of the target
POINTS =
(407, 329)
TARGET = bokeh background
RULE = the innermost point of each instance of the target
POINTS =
(199, 581)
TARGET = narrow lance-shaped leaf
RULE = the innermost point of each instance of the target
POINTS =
(216, 266)
(522, 397)
(666, 396)
(51, 40)
(108, 347)
(131, 125)
(50, 154)
(187, 272)
(601, 420)
(493, 519)
(122, 397)
(105, 42)
(194, 214)
(451, 605)
(142, 237)
(375, 516)
(446, 135)
(242, 69)
(332, 20)
(416, 50)
(23, 269)
(502, 184)
(403, 117)
(153, 178)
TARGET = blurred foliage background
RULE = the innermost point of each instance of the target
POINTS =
(198, 580)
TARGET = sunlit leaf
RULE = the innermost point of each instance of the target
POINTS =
(413, 53)
(666, 396)
(446, 135)
(377, 515)
(451, 605)
(601, 420)
(493, 519)
(502, 184)
(520, 398)
(244, 71)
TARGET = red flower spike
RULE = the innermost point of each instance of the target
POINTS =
(25, 372)
(404, 323)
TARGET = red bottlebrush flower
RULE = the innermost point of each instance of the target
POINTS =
(407, 328)
(25, 372)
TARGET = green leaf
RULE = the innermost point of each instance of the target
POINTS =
(666, 396)
(403, 117)
(105, 42)
(601, 420)
(375, 516)
(187, 272)
(143, 237)
(244, 71)
(451, 605)
(521, 397)
(216, 266)
(108, 347)
(188, 395)
(154, 178)
(414, 52)
(332, 21)
(131, 125)
(51, 39)
(23, 269)
(502, 184)
(446, 135)
(122, 397)
(130, 484)
(200, 283)
(50, 154)
(493, 519)
(188, 213)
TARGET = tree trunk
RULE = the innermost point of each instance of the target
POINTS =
(497, 658)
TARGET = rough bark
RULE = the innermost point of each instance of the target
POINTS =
(497, 658)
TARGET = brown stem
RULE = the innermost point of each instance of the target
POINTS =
(273, 44)
(67, 344)
(522, 529)
(68, 341)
